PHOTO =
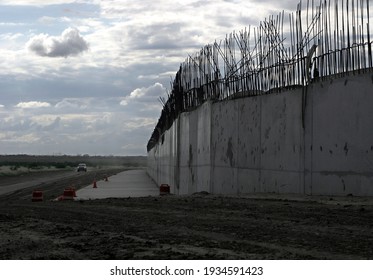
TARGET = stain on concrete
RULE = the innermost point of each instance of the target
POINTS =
(230, 151)
(242, 108)
(346, 82)
(320, 148)
(190, 160)
(346, 149)
(344, 185)
(266, 134)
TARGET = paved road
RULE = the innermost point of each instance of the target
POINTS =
(52, 183)
(130, 183)
(34, 180)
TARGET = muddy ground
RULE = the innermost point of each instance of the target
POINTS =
(200, 226)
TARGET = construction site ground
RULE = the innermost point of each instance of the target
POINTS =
(198, 226)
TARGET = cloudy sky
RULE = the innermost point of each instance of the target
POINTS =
(84, 76)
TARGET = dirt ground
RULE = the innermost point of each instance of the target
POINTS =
(200, 226)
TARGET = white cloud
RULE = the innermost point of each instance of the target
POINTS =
(11, 36)
(46, 20)
(1, 106)
(11, 24)
(70, 43)
(72, 103)
(46, 122)
(137, 123)
(32, 105)
(38, 3)
(145, 95)
(24, 138)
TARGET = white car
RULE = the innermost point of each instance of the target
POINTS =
(81, 167)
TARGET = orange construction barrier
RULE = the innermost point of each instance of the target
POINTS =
(68, 194)
(164, 189)
(73, 189)
(37, 195)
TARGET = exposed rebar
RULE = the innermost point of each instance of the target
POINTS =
(314, 43)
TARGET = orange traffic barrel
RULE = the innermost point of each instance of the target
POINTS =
(164, 189)
(74, 191)
(68, 194)
(37, 195)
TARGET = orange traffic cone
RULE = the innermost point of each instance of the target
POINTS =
(94, 184)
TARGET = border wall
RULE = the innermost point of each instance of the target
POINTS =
(283, 107)
(316, 140)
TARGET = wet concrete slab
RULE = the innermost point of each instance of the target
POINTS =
(131, 183)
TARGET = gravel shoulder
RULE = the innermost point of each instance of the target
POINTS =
(200, 226)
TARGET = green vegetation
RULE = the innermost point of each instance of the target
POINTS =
(17, 164)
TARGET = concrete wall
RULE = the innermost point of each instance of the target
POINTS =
(163, 158)
(315, 140)
(257, 144)
(195, 139)
(339, 133)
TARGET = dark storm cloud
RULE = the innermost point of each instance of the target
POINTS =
(70, 43)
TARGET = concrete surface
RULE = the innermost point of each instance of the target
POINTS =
(131, 183)
(316, 140)
(339, 136)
